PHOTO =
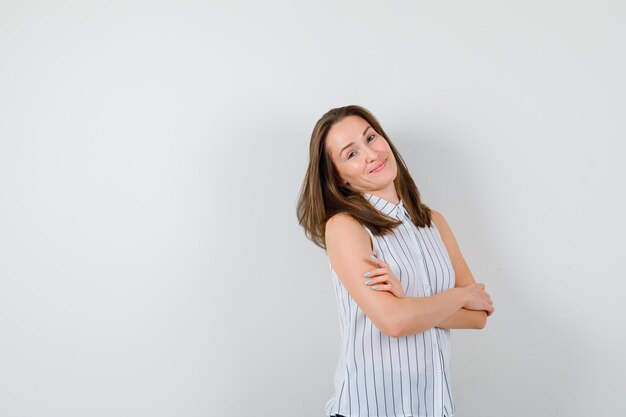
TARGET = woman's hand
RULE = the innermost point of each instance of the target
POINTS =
(382, 279)
(478, 299)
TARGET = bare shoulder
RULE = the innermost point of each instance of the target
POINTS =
(438, 219)
(444, 230)
(341, 220)
(344, 228)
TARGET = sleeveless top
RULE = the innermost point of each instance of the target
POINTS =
(380, 375)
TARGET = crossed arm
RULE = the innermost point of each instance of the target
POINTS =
(349, 247)
(463, 318)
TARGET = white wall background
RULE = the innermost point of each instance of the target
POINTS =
(151, 155)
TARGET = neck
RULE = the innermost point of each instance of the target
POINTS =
(389, 193)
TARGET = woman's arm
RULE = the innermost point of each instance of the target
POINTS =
(463, 318)
(349, 249)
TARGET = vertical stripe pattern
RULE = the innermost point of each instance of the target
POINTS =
(379, 375)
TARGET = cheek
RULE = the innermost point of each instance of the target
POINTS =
(382, 147)
(353, 169)
(395, 169)
(345, 170)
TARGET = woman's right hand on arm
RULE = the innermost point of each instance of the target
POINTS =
(477, 298)
(383, 279)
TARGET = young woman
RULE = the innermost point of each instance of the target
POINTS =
(400, 280)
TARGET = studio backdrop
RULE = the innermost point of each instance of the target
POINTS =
(151, 157)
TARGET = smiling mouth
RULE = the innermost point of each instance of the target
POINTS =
(379, 167)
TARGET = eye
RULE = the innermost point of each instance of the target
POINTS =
(351, 154)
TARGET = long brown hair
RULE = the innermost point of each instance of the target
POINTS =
(323, 195)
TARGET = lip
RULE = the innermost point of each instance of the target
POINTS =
(379, 167)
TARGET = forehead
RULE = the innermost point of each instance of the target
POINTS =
(349, 129)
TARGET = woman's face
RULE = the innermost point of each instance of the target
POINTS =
(362, 156)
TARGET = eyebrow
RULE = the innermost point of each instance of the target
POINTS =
(352, 143)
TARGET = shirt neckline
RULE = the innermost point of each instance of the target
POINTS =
(384, 206)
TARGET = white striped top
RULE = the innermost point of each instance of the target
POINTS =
(379, 375)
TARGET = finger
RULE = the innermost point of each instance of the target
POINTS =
(376, 280)
(379, 262)
(381, 287)
(397, 292)
(394, 289)
(376, 272)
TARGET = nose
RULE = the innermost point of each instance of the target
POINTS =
(371, 154)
